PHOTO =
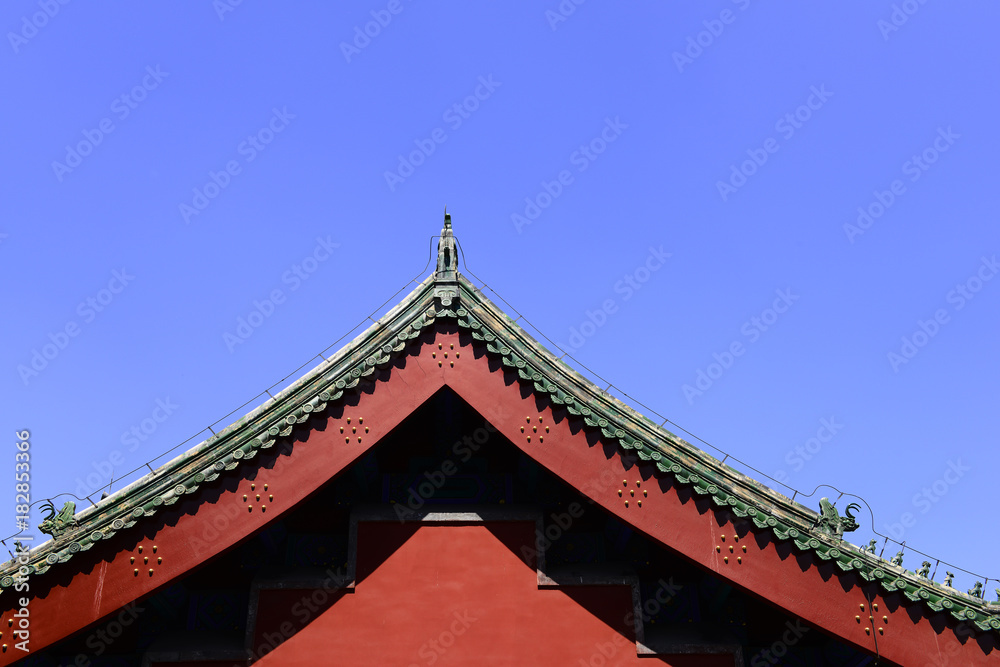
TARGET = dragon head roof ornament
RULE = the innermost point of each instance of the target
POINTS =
(830, 521)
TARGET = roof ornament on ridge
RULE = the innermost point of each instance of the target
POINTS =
(446, 274)
(55, 524)
(830, 522)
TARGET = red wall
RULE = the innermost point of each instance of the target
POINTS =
(458, 595)
(819, 594)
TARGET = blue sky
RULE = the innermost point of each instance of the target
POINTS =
(776, 226)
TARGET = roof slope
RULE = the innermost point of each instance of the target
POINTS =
(447, 296)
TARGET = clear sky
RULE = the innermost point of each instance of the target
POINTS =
(773, 224)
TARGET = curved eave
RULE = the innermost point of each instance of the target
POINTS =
(240, 441)
(706, 475)
(504, 341)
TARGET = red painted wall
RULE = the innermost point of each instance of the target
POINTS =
(458, 595)
(770, 570)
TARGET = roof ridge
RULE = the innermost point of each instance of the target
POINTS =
(786, 518)
(448, 295)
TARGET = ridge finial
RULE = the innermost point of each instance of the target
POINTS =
(446, 274)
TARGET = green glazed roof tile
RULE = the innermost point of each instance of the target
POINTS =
(449, 295)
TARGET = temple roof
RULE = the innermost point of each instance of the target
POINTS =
(448, 296)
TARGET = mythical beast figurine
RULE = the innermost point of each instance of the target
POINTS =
(56, 524)
(832, 523)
